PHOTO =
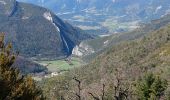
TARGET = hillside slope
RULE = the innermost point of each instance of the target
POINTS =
(90, 48)
(27, 66)
(37, 32)
(131, 58)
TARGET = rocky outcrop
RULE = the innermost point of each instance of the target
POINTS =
(82, 50)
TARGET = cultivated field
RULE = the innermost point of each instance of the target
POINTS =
(61, 65)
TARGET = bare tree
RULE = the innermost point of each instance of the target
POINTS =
(103, 94)
(103, 91)
(120, 91)
(78, 94)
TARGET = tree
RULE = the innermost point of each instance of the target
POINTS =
(102, 96)
(13, 85)
(120, 91)
(79, 88)
(151, 87)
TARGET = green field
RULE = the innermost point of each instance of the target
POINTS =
(61, 65)
(114, 25)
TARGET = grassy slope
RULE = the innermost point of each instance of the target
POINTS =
(150, 53)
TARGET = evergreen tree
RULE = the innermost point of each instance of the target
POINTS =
(151, 87)
(14, 86)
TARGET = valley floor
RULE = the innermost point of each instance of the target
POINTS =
(56, 67)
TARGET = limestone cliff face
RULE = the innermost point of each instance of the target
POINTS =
(82, 50)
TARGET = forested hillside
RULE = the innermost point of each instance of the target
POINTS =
(100, 44)
(37, 32)
(129, 60)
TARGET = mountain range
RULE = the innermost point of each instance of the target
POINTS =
(106, 16)
(37, 32)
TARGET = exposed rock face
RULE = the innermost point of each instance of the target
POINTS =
(82, 50)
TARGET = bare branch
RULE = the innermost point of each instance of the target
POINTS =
(94, 97)
(79, 88)
(121, 92)
(103, 91)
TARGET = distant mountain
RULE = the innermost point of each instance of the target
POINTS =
(37, 32)
(105, 16)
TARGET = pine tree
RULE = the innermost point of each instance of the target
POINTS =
(151, 87)
(13, 85)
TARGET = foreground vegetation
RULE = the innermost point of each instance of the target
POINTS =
(13, 85)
